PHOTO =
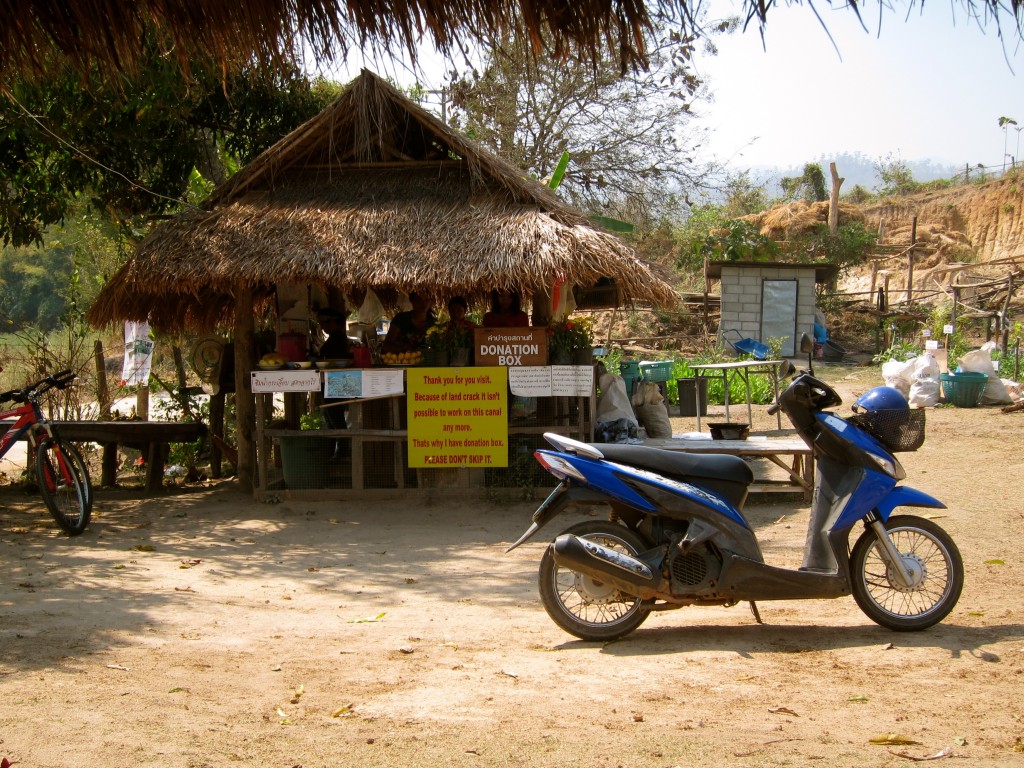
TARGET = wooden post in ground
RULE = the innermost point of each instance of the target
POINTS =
(102, 393)
(910, 262)
(833, 204)
(142, 402)
(245, 403)
(1003, 317)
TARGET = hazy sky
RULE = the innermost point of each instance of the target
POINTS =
(931, 86)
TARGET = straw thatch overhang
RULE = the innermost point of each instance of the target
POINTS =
(374, 192)
(40, 35)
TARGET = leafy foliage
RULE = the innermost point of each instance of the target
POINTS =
(895, 176)
(131, 146)
(851, 245)
(809, 186)
(738, 240)
(624, 132)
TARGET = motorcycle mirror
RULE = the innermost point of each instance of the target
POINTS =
(807, 347)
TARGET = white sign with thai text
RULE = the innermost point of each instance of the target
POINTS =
(285, 381)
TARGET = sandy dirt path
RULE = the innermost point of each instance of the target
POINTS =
(203, 629)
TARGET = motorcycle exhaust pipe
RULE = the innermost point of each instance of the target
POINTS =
(592, 559)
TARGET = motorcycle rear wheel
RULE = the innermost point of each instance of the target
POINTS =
(584, 606)
(930, 551)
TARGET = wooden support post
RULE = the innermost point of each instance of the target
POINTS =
(216, 428)
(705, 307)
(1004, 315)
(910, 262)
(179, 370)
(245, 404)
(142, 403)
(102, 393)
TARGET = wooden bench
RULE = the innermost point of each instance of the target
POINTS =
(152, 438)
(799, 466)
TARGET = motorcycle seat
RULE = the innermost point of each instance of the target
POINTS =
(675, 464)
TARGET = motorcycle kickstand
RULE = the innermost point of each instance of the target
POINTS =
(757, 613)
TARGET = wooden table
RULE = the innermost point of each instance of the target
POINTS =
(799, 465)
(152, 438)
(744, 369)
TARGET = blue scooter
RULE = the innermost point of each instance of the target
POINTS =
(676, 534)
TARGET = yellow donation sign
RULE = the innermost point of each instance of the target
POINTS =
(458, 417)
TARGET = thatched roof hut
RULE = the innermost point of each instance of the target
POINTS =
(373, 192)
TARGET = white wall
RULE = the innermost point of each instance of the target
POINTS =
(741, 299)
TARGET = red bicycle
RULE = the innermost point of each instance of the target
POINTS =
(63, 477)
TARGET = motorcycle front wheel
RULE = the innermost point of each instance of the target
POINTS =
(584, 606)
(935, 565)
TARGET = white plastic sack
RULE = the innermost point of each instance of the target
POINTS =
(980, 361)
(614, 402)
(924, 387)
(898, 374)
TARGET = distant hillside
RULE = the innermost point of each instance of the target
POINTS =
(857, 169)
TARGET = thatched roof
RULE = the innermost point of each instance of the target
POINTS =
(112, 34)
(373, 192)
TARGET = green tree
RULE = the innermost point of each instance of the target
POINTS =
(809, 186)
(895, 176)
(743, 196)
(850, 246)
(630, 135)
(130, 146)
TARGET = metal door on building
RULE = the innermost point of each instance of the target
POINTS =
(778, 314)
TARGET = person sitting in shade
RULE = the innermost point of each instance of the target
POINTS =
(408, 329)
(506, 311)
(332, 323)
(457, 310)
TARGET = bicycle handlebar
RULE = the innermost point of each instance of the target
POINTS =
(60, 380)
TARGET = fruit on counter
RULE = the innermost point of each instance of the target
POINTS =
(402, 358)
(273, 358)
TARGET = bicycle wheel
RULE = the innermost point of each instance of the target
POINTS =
(82, 470)
(64, 485)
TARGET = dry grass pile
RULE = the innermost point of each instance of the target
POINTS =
(788, 221)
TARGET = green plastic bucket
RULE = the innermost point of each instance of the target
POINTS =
(964, 390)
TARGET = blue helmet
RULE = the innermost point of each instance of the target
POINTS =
(881, 399)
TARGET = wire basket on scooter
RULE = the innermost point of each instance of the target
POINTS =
(896, 429)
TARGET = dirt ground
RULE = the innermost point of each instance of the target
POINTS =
(203, 629)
